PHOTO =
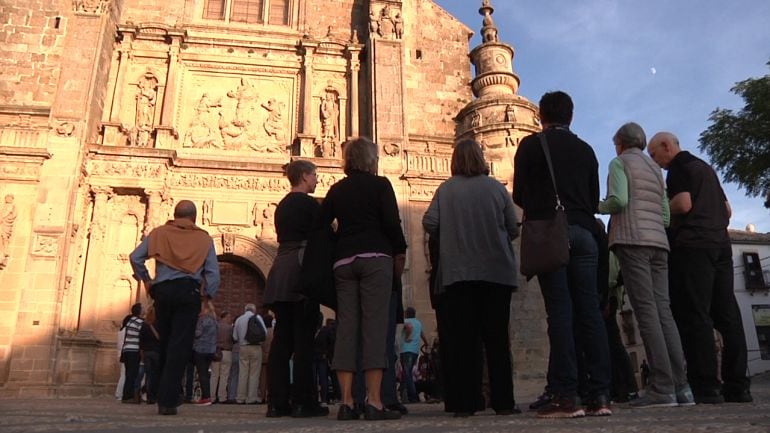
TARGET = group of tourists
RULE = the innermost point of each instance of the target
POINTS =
(669, 238)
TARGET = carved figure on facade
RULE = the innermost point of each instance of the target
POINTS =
(510, 140)
(266, 220)
(274, 123)
(330, 116)
(398, 23)
(206, 212)
(146, 95)
(228, 243)
(374, 24)
(202, 134)
(246, 95)
(8, 214)
(510, 113)
(387, 25)
(475, 119)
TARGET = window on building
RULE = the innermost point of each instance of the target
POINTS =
(273, 12)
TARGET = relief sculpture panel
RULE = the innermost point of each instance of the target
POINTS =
(241, 114)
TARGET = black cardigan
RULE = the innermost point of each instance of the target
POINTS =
(367, 215)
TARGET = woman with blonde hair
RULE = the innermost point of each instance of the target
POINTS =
(369, 254)
(473, 218)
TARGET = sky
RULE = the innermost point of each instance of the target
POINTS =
(665, 64)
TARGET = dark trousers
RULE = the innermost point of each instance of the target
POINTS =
(321, 369)
(408, 360)
(131, 362)
(177, 305)
(479, 312)
(152, 370)
(702, 299)
(575, 322)
(202, 363)
(294, 334)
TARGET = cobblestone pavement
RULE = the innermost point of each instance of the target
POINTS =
(107, 415)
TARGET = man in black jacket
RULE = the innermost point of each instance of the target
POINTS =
(569, 293)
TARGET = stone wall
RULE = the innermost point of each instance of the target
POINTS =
(31, 46)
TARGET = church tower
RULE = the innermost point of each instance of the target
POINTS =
(499, 117)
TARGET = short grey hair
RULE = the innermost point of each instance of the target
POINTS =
(360, 154)
(250, 307)
(631, 135)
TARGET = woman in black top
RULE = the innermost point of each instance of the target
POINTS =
(369, 253)
(296, 316)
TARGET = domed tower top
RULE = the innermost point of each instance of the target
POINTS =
(493, 60)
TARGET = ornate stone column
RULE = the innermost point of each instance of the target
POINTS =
(124, 56)
(354, 67)
(97, 230)
(154, 203)
(306, 136)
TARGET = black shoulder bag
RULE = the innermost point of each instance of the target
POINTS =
(545, 243)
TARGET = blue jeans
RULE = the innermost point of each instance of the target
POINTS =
(572, 305)
(408, 359)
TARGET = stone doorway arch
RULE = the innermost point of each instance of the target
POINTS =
(244, 264)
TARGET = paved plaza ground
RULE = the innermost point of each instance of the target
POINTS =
(107, 415)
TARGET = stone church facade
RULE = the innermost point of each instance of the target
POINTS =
(113, 110)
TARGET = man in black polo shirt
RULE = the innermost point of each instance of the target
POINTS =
(701, 274)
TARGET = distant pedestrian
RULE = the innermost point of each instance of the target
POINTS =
(250, 363)
(410, 341)
(130, 356)
(204, 348)
(149, 343)
(220, 369)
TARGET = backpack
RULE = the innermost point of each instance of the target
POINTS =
(255, 332)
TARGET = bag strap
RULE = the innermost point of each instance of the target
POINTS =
(544, 145)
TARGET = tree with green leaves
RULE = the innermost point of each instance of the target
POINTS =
(738, 143)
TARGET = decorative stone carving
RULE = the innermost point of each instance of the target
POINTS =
(90, 6)
(391, 149)
(330, 117)
(145, 110)
(510, 113)
(45, 246)
(274, 123)
(206, 212)
(201, 133)
(8, 214)
(266, 219)
(489, 29)
(387, 24)
(65, 129)
(121, 169)
(422, 192)
(475, 119)
(374, 23)
(228, 243)
(197, 181)
(398, 23)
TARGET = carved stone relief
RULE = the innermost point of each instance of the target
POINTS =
(422, 192)
(255, 122)
(45, 246)
(8, 214)
(265, 219)
(193, 180)
(144, 119)
(90, 6)
(65, 129)
(121, 169)
(386, 23)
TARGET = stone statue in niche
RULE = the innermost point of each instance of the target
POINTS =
(374, 23)
(510, 113)
(387, 26)
(206, 212)
(145, 111)
(201, 134)
(274, 123)
(475, 119)
(330, 114)
(398, 23)
(8, 216)
(267, 221)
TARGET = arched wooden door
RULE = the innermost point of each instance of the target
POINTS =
(241, 284)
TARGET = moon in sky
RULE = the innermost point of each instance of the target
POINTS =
(653, 71)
